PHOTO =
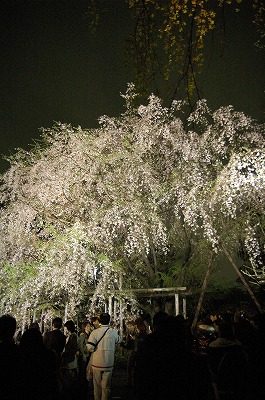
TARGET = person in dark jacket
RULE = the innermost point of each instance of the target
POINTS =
(38, 368)
(70, 362)
(228, 365)
(55, 339)
(165, 366)
(9, 359)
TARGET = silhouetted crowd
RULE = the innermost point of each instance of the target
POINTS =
(41, 367)
(223, 359)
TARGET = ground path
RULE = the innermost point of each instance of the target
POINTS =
(119, 389)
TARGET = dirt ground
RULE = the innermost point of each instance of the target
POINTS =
(119, 378)
(120, 391)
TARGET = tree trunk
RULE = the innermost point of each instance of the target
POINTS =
(204, 286)
(252, 295)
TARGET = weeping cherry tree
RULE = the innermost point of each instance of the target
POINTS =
(88, 214)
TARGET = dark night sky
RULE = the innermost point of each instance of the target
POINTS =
(53, 70)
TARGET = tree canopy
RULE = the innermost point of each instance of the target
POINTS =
(136, 202)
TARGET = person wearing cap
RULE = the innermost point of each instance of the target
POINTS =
(102, 342)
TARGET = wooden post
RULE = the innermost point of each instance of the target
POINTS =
(121, 313)
(115, 309)
(177, 303)
(41, 321)
(65, 312)
(184, 307)
(110, 306)
(24, 322)
(121, 319)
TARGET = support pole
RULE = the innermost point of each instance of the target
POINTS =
(121, 320)
(110, 306)
(115, 310)
(24, 321)
(245, 283)
(41, 321)
(177, 303)
(121, 306)
(184, 307)
(203, 290)
(65, 312)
